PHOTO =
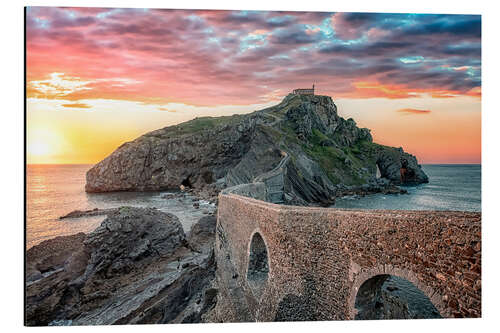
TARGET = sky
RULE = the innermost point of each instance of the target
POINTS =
(97, 77)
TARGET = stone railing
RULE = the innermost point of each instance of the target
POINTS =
(274, 181)
(256, 190)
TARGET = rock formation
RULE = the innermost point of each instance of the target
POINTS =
(326, 155)
(137, 267)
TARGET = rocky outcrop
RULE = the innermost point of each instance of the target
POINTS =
(201, 235)
(138, 266)
(399, 167)
(86, 213)
(327, 155)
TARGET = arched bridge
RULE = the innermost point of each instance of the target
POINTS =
(277, 262)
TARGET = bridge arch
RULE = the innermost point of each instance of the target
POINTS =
(258, 267)
(367, 287)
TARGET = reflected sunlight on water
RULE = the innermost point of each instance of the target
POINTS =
(55, 190)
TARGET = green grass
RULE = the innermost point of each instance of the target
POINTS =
(201, 123)
(289, 133)
(318, 138)
(274, 133)
(295, 101)
(193, 126)
(332, 159)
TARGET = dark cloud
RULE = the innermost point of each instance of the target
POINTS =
(383, 48)
(280, 21)
(295, 35)
(359, 19)
(473, 50)
(468, 27)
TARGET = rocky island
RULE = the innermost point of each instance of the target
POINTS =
(322, 154)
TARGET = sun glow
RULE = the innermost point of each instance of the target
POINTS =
(43, 143)
(39, 148)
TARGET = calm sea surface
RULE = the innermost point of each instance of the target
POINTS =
(55, 190)
(450, 187)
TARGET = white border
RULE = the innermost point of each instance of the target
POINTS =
(12, 159)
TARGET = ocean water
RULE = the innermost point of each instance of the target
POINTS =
(450, 187)
(55, 190)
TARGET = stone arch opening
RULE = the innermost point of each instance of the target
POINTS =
(391, 297)
(258, 262)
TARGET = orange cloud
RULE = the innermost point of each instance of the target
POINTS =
(475, 92)
(413, 111)
(260, 32)
(165, 109)
(77, 105)
(373, 89)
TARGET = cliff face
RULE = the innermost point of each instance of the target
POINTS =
(326, 154)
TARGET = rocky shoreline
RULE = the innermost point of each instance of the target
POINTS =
(87, 213)
(139, 258)
(137, 267)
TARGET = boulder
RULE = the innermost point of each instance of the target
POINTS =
(202, 234)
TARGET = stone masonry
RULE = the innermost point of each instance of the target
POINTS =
(319, 257)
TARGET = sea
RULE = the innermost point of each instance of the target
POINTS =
(56, 190)
(450, 187)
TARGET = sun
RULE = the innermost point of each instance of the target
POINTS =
(43, 144)
(39, 148)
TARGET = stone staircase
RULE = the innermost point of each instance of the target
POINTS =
(274, 182)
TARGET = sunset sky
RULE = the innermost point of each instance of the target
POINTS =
(97, 77)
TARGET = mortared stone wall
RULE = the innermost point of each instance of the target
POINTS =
(319, 257)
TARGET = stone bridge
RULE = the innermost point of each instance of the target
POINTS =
(277, 262)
